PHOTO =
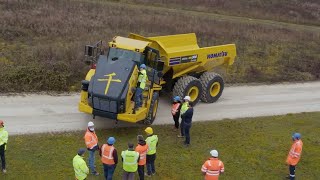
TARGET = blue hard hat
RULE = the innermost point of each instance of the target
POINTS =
(143, 66)
(176, 98)
(296, 136)
(111, 140)
(81, 151)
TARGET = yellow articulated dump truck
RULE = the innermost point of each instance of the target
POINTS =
(175, 63)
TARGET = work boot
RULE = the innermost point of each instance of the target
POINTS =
(146, 174)
(95, 173)
(180, 136)
(4, 171)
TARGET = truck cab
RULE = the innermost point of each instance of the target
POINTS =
(109, 87)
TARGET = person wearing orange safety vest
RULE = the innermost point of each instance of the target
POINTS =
(91, 141)
(175, 111)
(142, 149)
(294, 155)
(213, 167)
(109, 158)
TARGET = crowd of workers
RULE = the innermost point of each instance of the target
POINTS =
(133, 159)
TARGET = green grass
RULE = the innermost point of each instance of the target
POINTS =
(251, 148)
(42, 41)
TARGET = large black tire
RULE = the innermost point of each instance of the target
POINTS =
(212, 85)
(185, 86)
(152, 113)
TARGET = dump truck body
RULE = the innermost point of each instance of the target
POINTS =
(108, 90)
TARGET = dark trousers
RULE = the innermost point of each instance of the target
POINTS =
(176, 120)
(182, 127)
(139, 97)
(108, 171)
(292, 170)
(128, 175)
(2, 156)
(141, 171)
(187, 133)
(150, 164)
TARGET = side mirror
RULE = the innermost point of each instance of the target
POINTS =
(89, 50)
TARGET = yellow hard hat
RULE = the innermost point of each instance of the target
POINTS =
(149, 130)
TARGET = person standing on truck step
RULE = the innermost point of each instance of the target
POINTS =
(109, 158)
(187, 117)
(175, 111)
(80, 167)
(213, 167)
(91, 141)
(142, 80)
(130, 159)
(152, 142)
(183, 109)
(142, 149)
(3, 146)
(294, 155)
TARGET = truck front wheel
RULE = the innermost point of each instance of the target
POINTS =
(188, 86)
(153, 109)
(212, 85)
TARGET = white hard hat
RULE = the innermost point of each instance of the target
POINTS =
(90, 124)
(214, 153)
(187, 98)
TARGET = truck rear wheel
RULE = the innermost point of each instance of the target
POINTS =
(212, 85)
(188, 86)
(152, 113)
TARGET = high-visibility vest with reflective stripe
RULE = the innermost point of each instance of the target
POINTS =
(152, 144)
(212, 167)
(80, 167)
(295, 153)
(90, 139)
(175, 108)
(130, 160)
(107, 154)
(143, 78)
(184, 107)
(142, 150)
(3, 136)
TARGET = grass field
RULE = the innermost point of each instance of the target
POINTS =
(42, 41)
(252, 148)
(301, 12)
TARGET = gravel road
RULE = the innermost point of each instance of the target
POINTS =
(43, 113)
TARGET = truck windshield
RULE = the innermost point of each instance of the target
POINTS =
(122, 54)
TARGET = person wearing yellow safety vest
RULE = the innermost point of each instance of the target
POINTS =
(3, 145)
(130, 159)
(91, 141)
(142, 80)
(152, 142)
(109, 158)
(184, 108)
(80, 167)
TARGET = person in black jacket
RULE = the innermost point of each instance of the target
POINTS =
(187, 116)
(175, 111)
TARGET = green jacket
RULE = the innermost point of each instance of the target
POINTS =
(142, 79)
(152, 142)
(3, 137)
(184, 108)
(130, 160)
(80, 167)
